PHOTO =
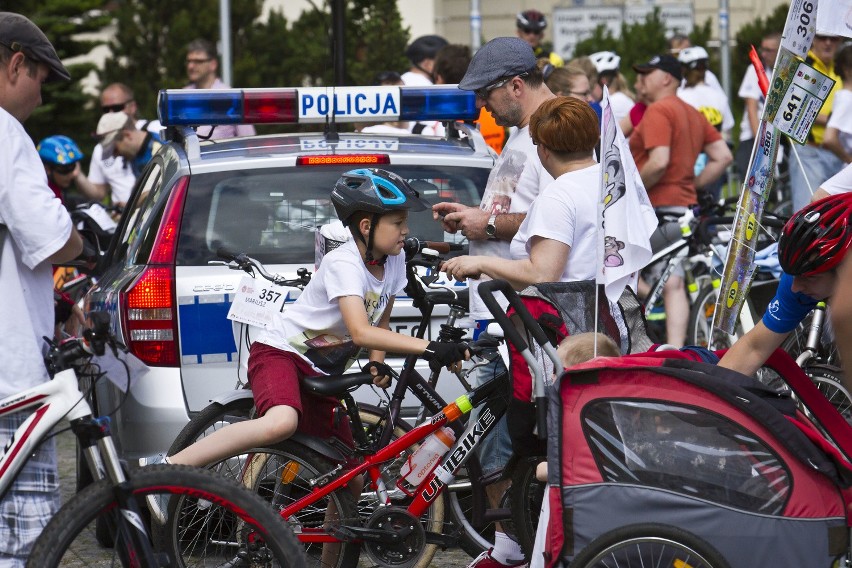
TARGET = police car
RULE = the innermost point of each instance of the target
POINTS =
(262, 195)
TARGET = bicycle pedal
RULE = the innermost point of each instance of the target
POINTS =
(342, 533)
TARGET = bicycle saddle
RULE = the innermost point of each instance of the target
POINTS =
(336, 385)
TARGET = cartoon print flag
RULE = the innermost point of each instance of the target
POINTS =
(628, 219)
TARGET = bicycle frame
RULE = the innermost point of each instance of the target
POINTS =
(434, 484)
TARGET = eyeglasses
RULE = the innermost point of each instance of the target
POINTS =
(64, 169)
(197, 61)
(827, 38)
(584, 95)
(532, 32)
(483, 92)
(115, 108)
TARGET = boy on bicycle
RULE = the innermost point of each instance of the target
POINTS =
(812, 246)
(346, 307)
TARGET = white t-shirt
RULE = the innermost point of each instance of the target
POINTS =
(38, 226)
(710, 102)
(313, 326)
(621, 104)
(115, 171)
(749, 89)
(412, 79)
(841, 117)
(566, 211)
(841, 182)
(517, 178)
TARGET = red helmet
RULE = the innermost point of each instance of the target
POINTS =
(531, 21)
(816, 237)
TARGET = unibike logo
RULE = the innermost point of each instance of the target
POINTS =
(463, 449)
(732, 294)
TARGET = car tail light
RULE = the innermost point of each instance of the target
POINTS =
(148, 304)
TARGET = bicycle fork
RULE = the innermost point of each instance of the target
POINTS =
(132, 541)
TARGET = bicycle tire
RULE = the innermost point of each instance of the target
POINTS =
(828, 379)
(69, 534)
(527, 495)
(649, 544)
(701, 319)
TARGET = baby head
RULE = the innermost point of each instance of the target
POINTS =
(576, 349)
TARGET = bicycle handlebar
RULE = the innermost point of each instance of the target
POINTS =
(248, 264)
(414, 246)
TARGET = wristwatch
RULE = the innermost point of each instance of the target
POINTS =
(491, 227)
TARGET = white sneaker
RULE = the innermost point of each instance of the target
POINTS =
(158, 503)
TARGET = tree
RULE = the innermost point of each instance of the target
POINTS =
(65, 108)
(751, 34)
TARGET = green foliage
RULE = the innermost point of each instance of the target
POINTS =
(65, 108)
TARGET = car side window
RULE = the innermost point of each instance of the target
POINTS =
(139, 211)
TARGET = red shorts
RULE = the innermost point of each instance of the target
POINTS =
(274, 377)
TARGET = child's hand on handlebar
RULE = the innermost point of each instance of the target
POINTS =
(450, 355)
(381, 373)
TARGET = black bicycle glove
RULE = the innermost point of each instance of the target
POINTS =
(443, 354)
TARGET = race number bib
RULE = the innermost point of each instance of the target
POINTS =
(257, 302)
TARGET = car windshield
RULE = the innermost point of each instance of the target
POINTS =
(272, 214)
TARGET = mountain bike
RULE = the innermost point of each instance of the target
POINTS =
(210, 518)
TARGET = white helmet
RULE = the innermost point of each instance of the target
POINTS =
(605, 61)
(690, 56)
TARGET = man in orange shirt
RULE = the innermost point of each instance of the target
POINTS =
(665, 145)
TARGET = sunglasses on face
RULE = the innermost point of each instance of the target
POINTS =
(483, 92)
(196, 61)
(64, 169)
(532, 32)
(115, 108)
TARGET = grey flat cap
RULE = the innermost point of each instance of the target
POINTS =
(18, 33)
(500, 57)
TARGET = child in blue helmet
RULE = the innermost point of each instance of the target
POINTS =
(345, 308)
(61, 158)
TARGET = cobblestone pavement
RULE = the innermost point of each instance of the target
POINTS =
(451, 558)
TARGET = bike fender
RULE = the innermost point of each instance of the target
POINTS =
(320, 446)
(231, 396)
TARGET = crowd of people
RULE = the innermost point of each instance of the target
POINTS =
(536, 221)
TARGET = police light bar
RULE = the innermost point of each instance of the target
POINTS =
(194, 107)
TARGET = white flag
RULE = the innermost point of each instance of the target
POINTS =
(628, 219)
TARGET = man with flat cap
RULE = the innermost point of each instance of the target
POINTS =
(504, 76)
(35, 231)
(665, 145)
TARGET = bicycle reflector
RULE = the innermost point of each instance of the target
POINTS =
(194, 107)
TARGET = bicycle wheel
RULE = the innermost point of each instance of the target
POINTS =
(467, 502)
(214, 520)
(526, 497)
(701, 321)
(829, 381)
(649, 545)
(284, 474)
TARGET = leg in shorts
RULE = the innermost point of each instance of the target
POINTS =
(274, 377)
(495, 449)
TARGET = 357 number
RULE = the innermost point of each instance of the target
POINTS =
(791, 107)
(805, 18)
(269, 295)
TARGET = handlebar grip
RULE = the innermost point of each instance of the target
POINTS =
(226, 253)
(486, 292)
(773, 221)
(413, 246)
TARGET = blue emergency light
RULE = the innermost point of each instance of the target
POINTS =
(193, 107)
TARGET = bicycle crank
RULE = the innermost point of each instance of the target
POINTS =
(406, 544)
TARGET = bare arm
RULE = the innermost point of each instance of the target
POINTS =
(718, 158)
(545, 264)
(819, 194)
(831, 141)
(841, 318)
(95, 192)
(375, 338)
(70, 250)
(655, 167)
(752, 350)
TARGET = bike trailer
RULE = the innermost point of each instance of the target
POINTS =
(657, 451)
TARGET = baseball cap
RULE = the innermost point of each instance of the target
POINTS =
(500, 57)
(109, 126)
(665, 63)
(18, 33)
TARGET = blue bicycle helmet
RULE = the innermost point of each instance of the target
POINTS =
(59, 150)
(373, 191)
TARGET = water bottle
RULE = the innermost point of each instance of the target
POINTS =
(423, 461)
